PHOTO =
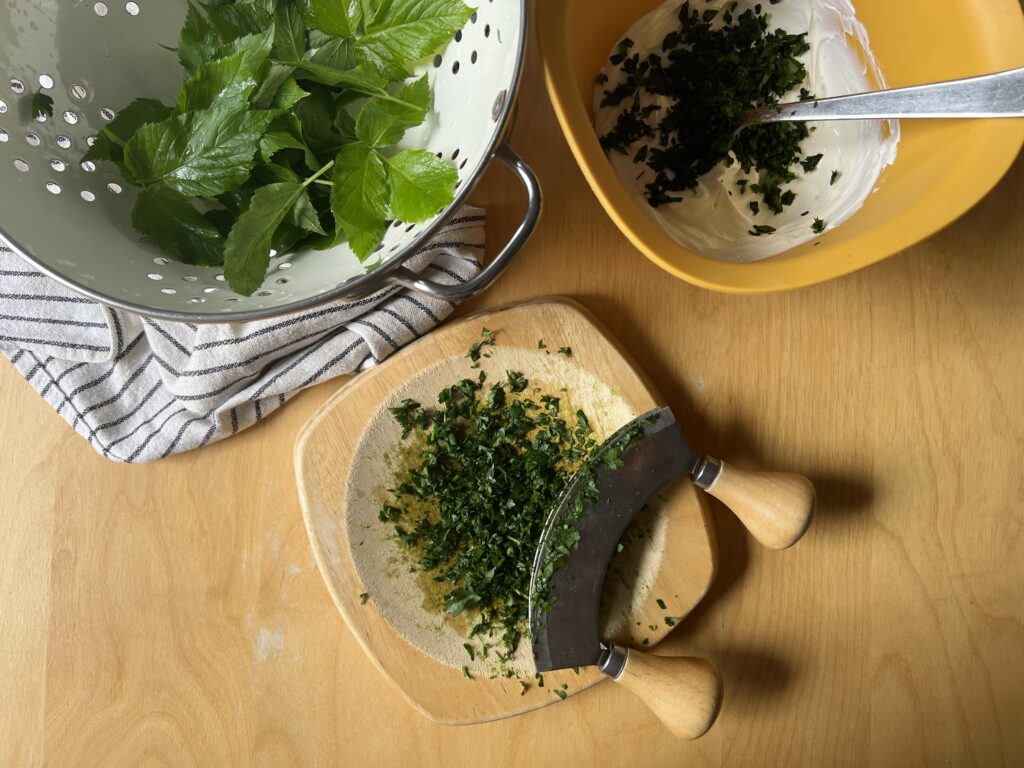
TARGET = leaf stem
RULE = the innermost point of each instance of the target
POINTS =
(318, 174)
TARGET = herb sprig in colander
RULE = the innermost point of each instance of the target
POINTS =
(283, 135)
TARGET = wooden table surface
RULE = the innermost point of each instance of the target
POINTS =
(171, 614)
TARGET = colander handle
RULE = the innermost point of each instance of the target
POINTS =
(490, 273)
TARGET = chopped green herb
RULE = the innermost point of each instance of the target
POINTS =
(470, 651)
(541, 344)
(818, 226)
(761, 229)
(485, 467)
(811, 163)
(526, 687)
(645, 641)
(834, 178)
(560, 694)
(661, 603)
(567, 351)
(465, 671)
(576, 670)
(671, 620)
(652, 627)
(486, 339)
(540, 680)
(363, 598)
(710, 74)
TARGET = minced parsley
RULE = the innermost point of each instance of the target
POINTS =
(713, 68)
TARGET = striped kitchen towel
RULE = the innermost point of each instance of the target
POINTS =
(139, 389)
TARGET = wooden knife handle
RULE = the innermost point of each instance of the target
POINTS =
(776, 507)
(684, 692)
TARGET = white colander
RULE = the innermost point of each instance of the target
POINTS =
(72, 221)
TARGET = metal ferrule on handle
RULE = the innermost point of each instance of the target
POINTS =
(490, 273)
(707, 472)
(613, 660)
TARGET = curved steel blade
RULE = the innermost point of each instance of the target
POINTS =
(567, 634)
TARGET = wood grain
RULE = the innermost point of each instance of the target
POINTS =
(172, 614)
(330, 444)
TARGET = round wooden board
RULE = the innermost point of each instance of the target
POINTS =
(323, 460)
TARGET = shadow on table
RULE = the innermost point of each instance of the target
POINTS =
(749, 675)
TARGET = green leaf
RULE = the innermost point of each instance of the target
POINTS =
(171, 222)
(276, 76)
(114, 135)
(317, 114)
(334, 63)
(340, 18)
(335, 53)
(304, 215)
(403, 32)
(227, 82)
(345, 124)
(289, 32)
(363, 78)
(421, 184)
(233, 21)
(383, 121)
(273, 173)
(287, 237)
(274, 141)
(42, 105)
(203, 39)
(288, 95)
(247, 250)
(359, 197)
(201, 154)
(197, 41)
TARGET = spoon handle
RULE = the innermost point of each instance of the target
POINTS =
(996, 95)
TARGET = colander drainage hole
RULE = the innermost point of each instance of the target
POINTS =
(88, 196)
(100, 9)
(17, 86)
(132, 9)
(4, 136)
(32, 139)
(21, 165)
(63, 142)
(53, 187)
(114, 187)
(45, 81)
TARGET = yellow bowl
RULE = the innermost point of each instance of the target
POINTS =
(943, 167)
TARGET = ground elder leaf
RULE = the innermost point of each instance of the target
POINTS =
(422, 184)
(170, 221)
(359, 197)
(247, 250)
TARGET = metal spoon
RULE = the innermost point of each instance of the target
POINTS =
(996, 95)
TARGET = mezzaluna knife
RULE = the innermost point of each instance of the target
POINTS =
(565, 588)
